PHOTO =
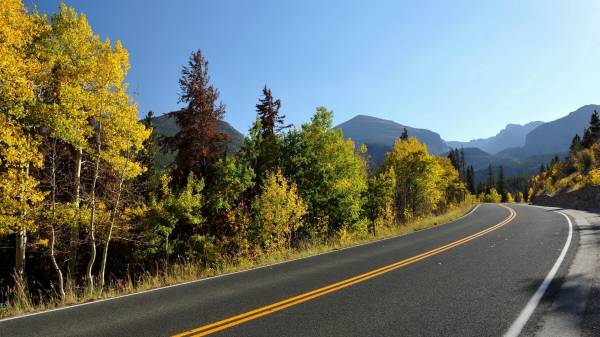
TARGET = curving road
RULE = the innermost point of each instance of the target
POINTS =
(471, 277)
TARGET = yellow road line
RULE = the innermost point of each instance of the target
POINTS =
(262, 311)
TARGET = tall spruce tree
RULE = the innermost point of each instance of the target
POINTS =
(490, 179)
(501, 185)
(149, 180)
(268, 112)
(595, 126)
(199, 142)
(575, 144)
(404, 135)
(470, 179)
(269, 140)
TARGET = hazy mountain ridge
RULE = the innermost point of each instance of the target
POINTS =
(372, 130)
(513, 135)
(556, 136)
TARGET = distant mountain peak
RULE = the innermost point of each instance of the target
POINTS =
(512, 135)
(380, 134)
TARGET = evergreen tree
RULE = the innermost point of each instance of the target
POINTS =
(462, 170)
(268, 112)
(457, 158)
(199, 142)
(542, 168)
(586, 141)
(481, 188)
(490, 178)
(149, 181)
(591, 134)
(501, 187)
(595, 126)
(404, 135)
(575, 144)
(269, 141)
(470, 179)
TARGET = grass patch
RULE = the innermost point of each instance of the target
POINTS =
(20, 301)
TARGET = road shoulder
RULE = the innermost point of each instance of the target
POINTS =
(569, 313)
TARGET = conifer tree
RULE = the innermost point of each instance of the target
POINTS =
(595, 126)
(575, 144)
(587, 139)
(149, 181)
(501, 183)
(269, 142)
(470, 177)
(591, 134)
(490, 178)
(404, 135)
(268, 112)
(199, 142)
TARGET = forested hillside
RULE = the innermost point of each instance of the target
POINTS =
(580, 168)
(86, 209)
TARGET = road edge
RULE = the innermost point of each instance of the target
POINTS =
(566, 313)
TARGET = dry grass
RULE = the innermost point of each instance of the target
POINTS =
(20, 302)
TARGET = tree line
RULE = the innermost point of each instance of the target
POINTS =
(83, 201)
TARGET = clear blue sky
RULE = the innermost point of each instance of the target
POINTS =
(461, 68)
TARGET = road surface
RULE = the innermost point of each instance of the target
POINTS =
(471, 277)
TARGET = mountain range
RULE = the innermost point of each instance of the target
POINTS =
(519, 148)
(513, 135)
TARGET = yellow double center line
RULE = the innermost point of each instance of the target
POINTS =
(266, 310)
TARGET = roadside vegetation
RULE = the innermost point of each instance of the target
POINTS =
(86, 211)
(579, 169)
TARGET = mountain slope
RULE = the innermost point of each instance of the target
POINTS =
(167, 127)
(513, 135)
(556, 136)
(379, 135)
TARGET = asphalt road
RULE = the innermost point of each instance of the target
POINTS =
(471, 277)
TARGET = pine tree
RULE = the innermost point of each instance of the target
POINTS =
(462, 170)
(481, 188)
(501, 183)
(542, 168)
(149, 181)
(404, 135)
(268, 111)
(586, 140)
(490, 178)
(470, 177)
(575, 144)
(595, 126)
(269, 141)
(199, 142)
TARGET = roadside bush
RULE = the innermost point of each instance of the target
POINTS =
(492, 196)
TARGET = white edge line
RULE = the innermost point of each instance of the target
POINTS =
(226, 274)
(518, 325)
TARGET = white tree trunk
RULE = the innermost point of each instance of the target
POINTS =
(74, 241)
(61, 282)
(92, 229)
